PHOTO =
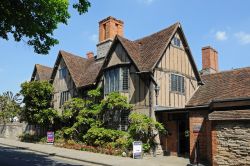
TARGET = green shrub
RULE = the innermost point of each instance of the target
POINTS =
(145, 129)
(146, 147)
(124, 143)
(27, 137)
(103, 137)
(43, 139)
(59, 137)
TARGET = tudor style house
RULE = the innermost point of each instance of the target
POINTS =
(41, 73)
(206, 113)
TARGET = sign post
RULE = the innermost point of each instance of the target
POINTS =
(50, 137)
(137, 149)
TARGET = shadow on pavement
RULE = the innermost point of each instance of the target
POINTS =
(16, 157)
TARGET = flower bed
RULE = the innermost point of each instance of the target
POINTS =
(82, 147)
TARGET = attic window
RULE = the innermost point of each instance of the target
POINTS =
(176, 42)
(177, 83)
(62, 73)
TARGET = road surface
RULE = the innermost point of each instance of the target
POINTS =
(19, 157)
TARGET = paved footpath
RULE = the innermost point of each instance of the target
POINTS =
(96, 158)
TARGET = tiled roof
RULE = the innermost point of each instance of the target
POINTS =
(43, 72)
(145, 52)
(83, 71)
(224, 85)
(90, 73)
(230, 115)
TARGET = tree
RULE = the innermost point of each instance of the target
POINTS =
(36, 20)
(9, 106)
(12, 97)
(79, 115)
(145, 129)
(37, 97)
(47, 117)
(112, 106)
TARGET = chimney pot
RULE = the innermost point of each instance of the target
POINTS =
(90, 54)
(109, 28)
(209, 60)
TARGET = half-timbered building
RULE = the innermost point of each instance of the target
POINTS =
(206, 113)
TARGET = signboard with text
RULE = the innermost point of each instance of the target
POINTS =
(137, 149)
(50, 137)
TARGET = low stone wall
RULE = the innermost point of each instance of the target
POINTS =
(15, 129)
(12, 130)
(233, 143)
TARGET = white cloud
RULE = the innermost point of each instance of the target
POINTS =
(147, 2)
(244, 38)
(94, 38)
(221, 35)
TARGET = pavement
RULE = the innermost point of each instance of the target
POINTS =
(95, 158)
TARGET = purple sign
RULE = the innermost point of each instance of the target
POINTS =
(50, 137)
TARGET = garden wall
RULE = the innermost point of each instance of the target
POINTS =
(233, 143)
(15, 129)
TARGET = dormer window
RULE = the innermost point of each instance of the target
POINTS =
(116, 80)
(177, 83)
(176, 42)
(62, 73)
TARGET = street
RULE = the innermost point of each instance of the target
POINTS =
(19, 157)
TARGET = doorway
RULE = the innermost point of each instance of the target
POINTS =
(183, 137)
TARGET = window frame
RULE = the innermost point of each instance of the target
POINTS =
(176, 42)
(63, 73)
(118, 80)
(177, 88)
(64, 96)
(124, 120)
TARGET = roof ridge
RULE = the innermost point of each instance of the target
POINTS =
(228, 71)
(155, 33)
(42, 65)
(72, 54)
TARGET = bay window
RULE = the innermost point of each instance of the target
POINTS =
(116, 79)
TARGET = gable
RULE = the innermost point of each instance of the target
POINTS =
(118, 56)
(179, 58)
(41, 72)
(65, 83)
(176, 59)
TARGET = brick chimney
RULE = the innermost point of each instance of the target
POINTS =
(108, 29)
(90, 54)
(209, 60)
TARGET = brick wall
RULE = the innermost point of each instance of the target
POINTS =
(213, 145)
(199, 130)
(209, 59)
(233, 143)
(109, 27)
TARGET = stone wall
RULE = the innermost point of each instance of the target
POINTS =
(233, 143)
(14, 130)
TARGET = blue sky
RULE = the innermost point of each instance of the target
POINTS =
(223, 24)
